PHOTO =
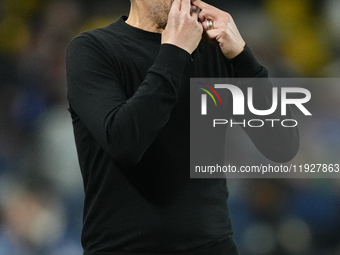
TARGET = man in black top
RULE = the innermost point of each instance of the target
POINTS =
(128, 92)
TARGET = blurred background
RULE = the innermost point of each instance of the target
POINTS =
(41, 190)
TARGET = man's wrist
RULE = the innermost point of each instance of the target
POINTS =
(245, 63)
(172, 58)
(238, 52)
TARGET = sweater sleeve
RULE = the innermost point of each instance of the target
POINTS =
(124, 127)
(277, 143)
(246, 65)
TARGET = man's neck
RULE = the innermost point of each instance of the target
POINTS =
(140, 18)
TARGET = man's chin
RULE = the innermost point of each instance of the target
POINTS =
(162, 25)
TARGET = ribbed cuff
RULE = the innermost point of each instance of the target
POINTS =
(245, 64)
(172, 59)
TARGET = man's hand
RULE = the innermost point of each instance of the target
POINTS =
(224, 29)
(183, 28)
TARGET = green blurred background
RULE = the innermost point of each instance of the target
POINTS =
(40, 183)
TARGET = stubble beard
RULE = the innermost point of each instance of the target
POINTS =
(159, 12)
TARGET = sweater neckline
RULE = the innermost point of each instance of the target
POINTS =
(137, 32)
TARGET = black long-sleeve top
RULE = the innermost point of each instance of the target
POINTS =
(129, 101)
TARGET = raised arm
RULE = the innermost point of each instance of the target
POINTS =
(126, 126)
(279, 144)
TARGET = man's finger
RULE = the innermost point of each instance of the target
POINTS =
(208, 14)
(176, 5)
(205, 25)
(194, 8)
(213, 33)
(194, 15)
(200, 4)
(208, 11)
(186, 5)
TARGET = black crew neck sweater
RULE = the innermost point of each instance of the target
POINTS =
(129, 101)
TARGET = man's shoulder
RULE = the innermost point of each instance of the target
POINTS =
(107, 33)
